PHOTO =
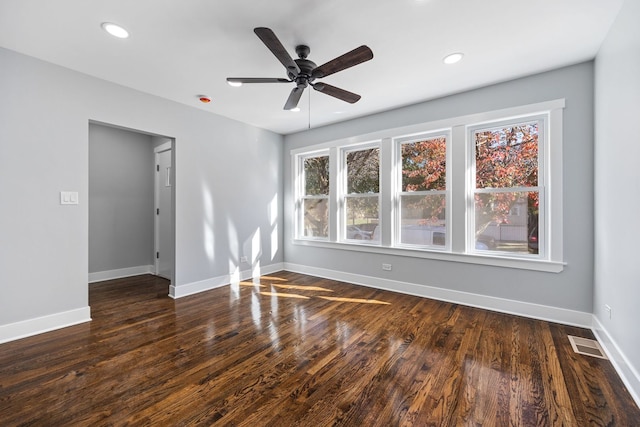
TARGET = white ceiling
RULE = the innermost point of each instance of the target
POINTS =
(179, 49)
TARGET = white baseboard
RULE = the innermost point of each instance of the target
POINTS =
(217, 282)
(520, 308)
(627, 372)
(38, 325)
(121, 272)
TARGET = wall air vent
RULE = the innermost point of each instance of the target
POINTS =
(587, 347)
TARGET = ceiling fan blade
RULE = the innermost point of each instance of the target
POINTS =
(294, 98)
(270, 40)
(336, 92)
(256, 80)
(356, 56)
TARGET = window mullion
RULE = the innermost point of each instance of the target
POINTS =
(457, 163)
(335, 192)
(388, 204)
(507, 190)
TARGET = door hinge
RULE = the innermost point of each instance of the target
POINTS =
(157, 255)
(157, 168)
(158, 211)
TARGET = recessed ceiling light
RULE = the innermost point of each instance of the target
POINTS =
(234, 83)
(295, 110)
(453, 58)
(115, 30)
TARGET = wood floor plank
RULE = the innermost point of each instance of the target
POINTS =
(296, 350)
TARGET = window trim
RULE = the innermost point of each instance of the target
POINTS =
(457, 155)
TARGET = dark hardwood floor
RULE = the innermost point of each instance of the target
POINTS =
(294, 350)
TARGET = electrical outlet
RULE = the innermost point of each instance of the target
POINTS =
(243, 259)
(607, 308)
(386, 267)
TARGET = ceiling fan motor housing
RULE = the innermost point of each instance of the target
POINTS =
(306, 67)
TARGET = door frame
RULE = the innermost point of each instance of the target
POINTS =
(167, 146)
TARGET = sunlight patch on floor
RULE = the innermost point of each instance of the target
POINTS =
(279, 294)
(302, 287)
(279, 279)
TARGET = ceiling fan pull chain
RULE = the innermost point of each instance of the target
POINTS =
(309, 109)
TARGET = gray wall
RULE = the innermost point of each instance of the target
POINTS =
(228, 175)
(573, 288)
(121, 199)
(617, 185)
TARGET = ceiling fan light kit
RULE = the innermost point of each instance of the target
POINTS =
(303, 72)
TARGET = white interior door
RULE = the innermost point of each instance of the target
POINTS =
(163, 217)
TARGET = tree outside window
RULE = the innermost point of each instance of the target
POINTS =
(422, 197)
(315, 200)
(362, 199)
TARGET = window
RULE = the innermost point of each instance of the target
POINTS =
(361, 193)
(314, 197)
(507, 187)
(484, 188)
(422, 191)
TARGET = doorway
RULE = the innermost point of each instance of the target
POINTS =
(130, 207)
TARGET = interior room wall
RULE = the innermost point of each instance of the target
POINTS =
(121, 199)
(571, 290)
(228, 180)
(617, 186)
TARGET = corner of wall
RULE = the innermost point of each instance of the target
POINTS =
(627, 372)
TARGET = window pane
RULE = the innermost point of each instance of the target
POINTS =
(363, 171)
(507, 157)
(423, 235)
(423, 209)
(316, 217)
(362, 212)
(316, 174)
(424, 165)
(422, 219)
(507, 222)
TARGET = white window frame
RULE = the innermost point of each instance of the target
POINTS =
(543, 141)
(398, 193)
(301, 196)
(458, 159)
(342, 194)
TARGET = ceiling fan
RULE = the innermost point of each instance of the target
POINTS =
(304, 72)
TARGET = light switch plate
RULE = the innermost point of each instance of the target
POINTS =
(68, 197)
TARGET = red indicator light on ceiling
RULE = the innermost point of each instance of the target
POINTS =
(204, 99)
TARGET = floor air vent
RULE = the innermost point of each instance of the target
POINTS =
(587, 347)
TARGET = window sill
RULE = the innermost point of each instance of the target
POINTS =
(480, 259)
